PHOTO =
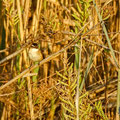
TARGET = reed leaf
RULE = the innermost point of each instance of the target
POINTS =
(61, 75)
(86, 72)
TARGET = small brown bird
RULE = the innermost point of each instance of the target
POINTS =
(35, 53)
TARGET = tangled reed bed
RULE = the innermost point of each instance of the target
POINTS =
(77, 79)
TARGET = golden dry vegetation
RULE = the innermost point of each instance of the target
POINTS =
(78, 77)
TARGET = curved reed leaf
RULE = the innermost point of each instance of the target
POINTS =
(67, 109)
(98, 106)
(61, 75)
(67, 102)
(86, 72)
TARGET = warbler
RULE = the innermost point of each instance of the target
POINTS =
(35, 53)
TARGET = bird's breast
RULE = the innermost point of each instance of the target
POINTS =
(35, 54)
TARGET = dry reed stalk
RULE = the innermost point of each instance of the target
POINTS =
(118, 87)
(25, 52)
(21, 31)
(21, 21)
(78, 82)
(91, 37)
(7, 33)
(30, 99)
(1, 19)
(104, 68)
(27, 7)
(36, 17)
(3, 117)
(95, 32)
(12, 41)
(51, 44)
(65, 55)
(26, 15)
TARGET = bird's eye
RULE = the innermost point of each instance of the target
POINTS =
(34, 44)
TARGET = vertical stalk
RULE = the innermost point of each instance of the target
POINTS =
(1, 23)
(21, 20)
(30, 99)
(118, 89)
(78, 83)
(24, 52)
(118, 97)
